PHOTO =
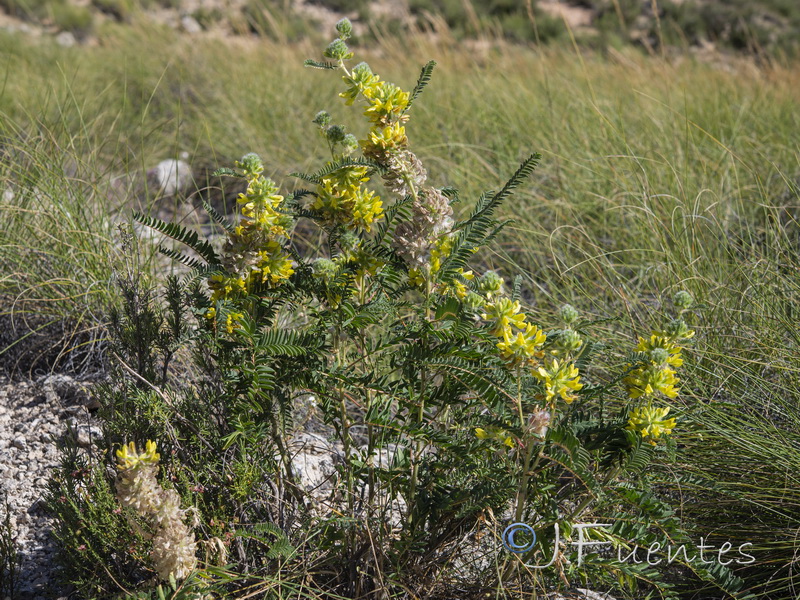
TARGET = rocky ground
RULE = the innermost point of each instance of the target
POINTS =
(34, 415)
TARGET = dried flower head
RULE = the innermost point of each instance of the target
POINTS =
(137, 487)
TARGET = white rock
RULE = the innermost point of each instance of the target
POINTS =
(20, 442)
(190, 25)
(87, 434)
(170, 176)
(65, 39)
(583, 595)
(314, 461)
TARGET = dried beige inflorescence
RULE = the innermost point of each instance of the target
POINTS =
(137, 487)
(404, 172)
(431, 217)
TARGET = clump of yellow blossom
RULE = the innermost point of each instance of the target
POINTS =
(494, 433)
(560, 380)
(342, 199)
(254, 253)
(504, 313)
(657, 373)
(651, 422)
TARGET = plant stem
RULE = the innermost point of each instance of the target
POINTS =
(420, 413)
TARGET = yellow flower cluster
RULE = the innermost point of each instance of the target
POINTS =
(253, 253)
(342, 199)
(520, 342)
(651, 422)
(386, 110)
(232, 321)
(387, 103)
(226, 286)
(560, 380)
(456, 287)
(391, 136)
(658, 375)
(521, 345)
(174, 546)
(659, 341)
(504, 314)
(651, 379)
(358, 82)
(129, 458)
(494, 433)
(441, 250)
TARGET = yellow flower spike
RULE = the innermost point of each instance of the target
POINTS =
(232, 321)
(651, 379)
(383, 138)
(522, 346)
(651, 422)
(129, 458)
(503, 313)
(342, 200)
(361, 81)
(387, 101)
(367, 209)
(211, 313)
(481, 433)
(560, 380)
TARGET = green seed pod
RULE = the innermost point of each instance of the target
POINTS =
(567, 341)
(490, 283)
(568, 314)
(361, 70)
(683, 300)
(474, 301)
(345, 28)
(677, 329)
(349, 144)
(322, 118)
(338, 50)
(349, 242)
(251, 164)
(324, 268)
(335, 134)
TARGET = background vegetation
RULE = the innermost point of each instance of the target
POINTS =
(657, 174)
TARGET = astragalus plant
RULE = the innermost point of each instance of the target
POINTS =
(450, 410)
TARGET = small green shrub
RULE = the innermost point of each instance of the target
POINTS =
(450, 411)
